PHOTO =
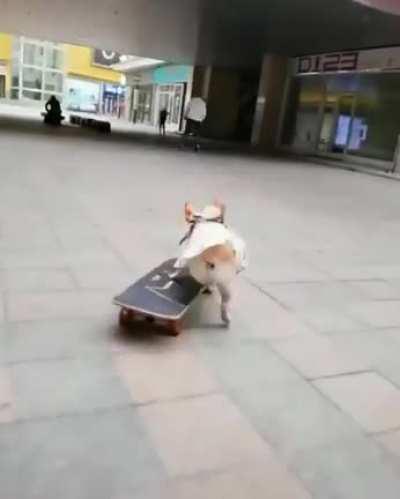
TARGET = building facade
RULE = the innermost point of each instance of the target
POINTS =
(5, 64)
(92, 85)
(344, 105)
(37, 70)
(80, 77)
(167, 86)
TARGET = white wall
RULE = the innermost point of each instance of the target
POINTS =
(392, 6)
(161, 29)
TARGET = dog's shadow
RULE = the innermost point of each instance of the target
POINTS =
(138, 334)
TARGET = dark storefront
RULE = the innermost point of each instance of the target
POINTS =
(345, 105)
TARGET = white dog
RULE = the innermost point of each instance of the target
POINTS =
(213, 253)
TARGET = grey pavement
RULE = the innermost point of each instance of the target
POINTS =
(300, 398)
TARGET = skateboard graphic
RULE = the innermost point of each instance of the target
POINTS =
(162, 297)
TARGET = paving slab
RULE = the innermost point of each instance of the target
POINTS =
(104, 455)
(316, 356)
(369, 398)
(89, 410)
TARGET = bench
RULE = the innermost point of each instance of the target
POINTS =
(98, 125)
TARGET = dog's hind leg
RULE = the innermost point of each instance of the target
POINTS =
(226, 302)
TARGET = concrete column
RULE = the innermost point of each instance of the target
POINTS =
(188, 96)
(201, 81)
(230, 96)
(222, 103)
(219, 87)
(206, 82)
(269, 107)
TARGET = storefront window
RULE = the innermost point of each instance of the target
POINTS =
(15, 75)
(82, 95)
(16, 61)
(53, 81)
(357, 114)
(32, 95)
(32, 78)
(376, 123)
(302, 120)
(36, 69)
(33, 54)
(143, 112)
(54, 57)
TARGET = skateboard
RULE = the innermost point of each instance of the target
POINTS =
(161, 297)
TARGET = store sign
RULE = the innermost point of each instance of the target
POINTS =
(105, 58)
(384, 59)
(168, 75)
(339, 61)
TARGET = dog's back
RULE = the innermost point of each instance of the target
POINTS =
(213, 253)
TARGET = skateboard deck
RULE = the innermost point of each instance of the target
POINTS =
(162, 296)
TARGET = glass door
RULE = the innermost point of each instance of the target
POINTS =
(344, 118)
(176, 105)
(327, 125)
(336, 124)
(171, 98)
(144, 96)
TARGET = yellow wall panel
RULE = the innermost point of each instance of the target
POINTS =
(78, 62)
(6, 56)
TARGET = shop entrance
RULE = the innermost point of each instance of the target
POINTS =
(143, 104)
(171, 98)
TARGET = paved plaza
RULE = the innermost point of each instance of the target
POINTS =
(299, 399)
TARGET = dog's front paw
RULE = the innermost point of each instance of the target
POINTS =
(225, 316)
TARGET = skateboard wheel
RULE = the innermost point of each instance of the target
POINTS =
(125, 316)
(174, 328)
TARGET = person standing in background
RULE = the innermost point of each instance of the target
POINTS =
(195, 114)
(162, 120)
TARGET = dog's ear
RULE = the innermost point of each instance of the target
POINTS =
(189, 212)
(219, 204)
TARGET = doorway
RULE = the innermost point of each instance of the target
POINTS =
(171, 98)
(143, 104)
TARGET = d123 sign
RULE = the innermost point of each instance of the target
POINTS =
(324, 63)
